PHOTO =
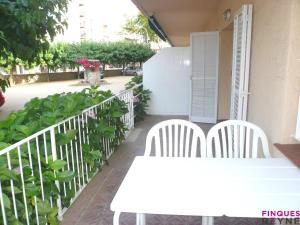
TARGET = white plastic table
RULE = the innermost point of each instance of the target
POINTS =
(207, 187)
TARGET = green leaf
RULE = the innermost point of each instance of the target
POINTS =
(13, 221)
(3, 161)
(27, 172)
(65, 138)
(97, 154)
(52, 216)
(32, 189)
(42, 219)
(2, 135)
(65, 176)
(43, 207)
(16, 189)
(117, 114)
(6, 201)
(86, 148)
(7, 174)
(57, 164)
(18, 136)
(8, 121)
(4, 145)
(71, 134)
(48, 176)
(23, 129)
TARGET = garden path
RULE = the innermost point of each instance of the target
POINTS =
(17, 96)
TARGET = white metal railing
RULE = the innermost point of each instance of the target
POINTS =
(24, 167)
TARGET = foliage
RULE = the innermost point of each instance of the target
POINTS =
(4, 84)
(63, 55)
(142, 97)
(103, 124)
(27, 25)
(118, 53)
(139, 25)
(9, 62)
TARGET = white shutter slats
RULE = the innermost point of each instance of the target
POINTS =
(240, 62)
(204, 82)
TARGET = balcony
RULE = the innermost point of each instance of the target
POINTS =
(84, 185)
(93, 205)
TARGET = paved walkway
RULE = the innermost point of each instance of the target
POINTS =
(17, 96)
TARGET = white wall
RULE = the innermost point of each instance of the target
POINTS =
(167, 75)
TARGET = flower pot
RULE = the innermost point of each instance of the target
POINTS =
(93, 76)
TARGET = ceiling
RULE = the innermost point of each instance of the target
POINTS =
(178, 18)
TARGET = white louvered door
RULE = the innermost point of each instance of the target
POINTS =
(204, 80)
(240, 62)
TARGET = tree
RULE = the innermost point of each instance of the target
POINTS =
(62, 55)
(27, 26)
(139, 25)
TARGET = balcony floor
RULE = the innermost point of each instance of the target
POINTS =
(92, 207)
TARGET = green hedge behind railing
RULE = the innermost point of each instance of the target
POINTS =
(142, 97)
(105, 124)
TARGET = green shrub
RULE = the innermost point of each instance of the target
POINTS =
(142, 98)
(103, 126)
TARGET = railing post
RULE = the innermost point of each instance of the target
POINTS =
(54, 157)
(131, 110)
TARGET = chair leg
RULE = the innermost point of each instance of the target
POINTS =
(116, 218)
(140, 219)
(207, 220)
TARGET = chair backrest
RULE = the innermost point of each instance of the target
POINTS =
(236, 139)
(176, 138)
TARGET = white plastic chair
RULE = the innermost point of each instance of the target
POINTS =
(176, 138)
(172, 138)
(236, 139)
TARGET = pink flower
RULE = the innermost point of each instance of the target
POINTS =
(136, 99)
(91, 114)
(89, 64)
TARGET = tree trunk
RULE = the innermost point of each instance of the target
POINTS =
(123, 69)
(11, 80)
(48, 70)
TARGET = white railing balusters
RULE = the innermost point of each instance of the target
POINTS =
(72, 157)
(43, 146)
(87, 131)
(40, 168)
(54, 157)
(2, 205)
(62, 158)
(84, 135)
(87, 127)
(23, 185)
(77, 157)
(12, 186)
(80, 149)
(67, 154)
(32, 174)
